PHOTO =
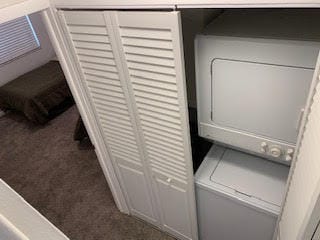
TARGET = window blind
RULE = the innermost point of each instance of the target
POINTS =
(17, 37)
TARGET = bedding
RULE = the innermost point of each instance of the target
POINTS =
(36, 93)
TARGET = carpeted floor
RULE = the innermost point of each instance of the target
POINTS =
(64, 183)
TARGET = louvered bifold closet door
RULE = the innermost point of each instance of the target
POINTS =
(152, 50)
(92, 43)
(304, 185)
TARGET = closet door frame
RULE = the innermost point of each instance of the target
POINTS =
(50, 19)
(161, 4)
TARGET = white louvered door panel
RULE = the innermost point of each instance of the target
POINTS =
(91, 38)
(151, 44)
(304, 186)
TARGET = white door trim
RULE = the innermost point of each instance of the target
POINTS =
(19, 220)
(9, 231)
(172, 4)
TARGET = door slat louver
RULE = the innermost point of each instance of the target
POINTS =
(107, 74)
(93, 48)
(151, 87)
(150, 50)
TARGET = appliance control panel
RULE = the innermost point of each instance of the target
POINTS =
(277, 151)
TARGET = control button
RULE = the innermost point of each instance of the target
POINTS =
(290, 151)
(264, 147)
(288, 158)
(275, 151)
(289, 155)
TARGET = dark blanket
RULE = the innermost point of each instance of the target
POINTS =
(36, 93)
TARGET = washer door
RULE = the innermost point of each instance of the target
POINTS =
(253, 179)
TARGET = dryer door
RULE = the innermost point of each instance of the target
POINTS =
(258, 98)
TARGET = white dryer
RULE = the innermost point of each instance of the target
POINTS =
(253, 77)
(238, 195)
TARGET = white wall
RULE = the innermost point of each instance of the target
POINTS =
(193, 22)
(32, 60)
(19, 220)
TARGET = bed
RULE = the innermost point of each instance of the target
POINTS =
(37, 93)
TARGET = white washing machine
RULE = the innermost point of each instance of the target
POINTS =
(238, 195)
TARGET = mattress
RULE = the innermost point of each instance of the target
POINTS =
(36, 93)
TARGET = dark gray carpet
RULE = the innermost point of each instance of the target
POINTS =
(64, 183)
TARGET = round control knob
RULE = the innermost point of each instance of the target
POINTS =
(275, 151)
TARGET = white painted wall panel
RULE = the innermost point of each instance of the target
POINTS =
(28, 223)
(9, 232)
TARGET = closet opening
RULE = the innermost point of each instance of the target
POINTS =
(285, 27)
(249, 73)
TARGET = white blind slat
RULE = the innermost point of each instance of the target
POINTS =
(17, 37)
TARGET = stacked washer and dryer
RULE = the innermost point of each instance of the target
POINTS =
(253, 72)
